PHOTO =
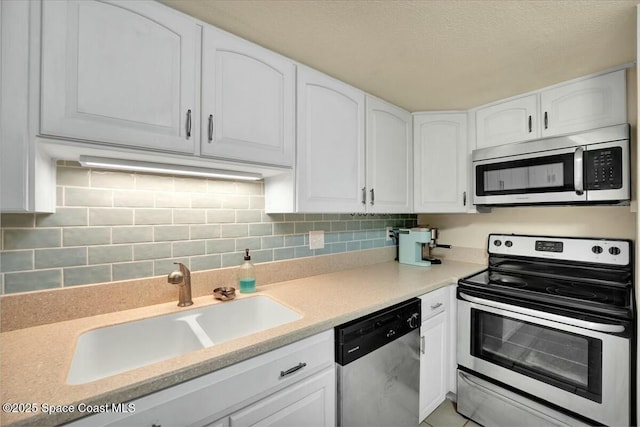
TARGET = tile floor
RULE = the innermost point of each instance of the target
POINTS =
(445, 415)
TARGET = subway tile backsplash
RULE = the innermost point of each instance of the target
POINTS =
(121, 225)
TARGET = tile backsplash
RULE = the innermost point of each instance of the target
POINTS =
(121, 225)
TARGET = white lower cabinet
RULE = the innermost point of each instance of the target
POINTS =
(433, 355)
(293, 385)
(436, 360)
(309, 402)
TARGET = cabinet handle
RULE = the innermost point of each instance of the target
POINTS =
(292, 370)
(422, 344)
(210, 128)
(530, 124)
(188, 124)
(437, 305)
(364, 195)
(373, 197)
(464, 198)
(546, 120)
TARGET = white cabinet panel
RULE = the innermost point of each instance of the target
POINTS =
(433, 363)
(389, 158)
(330, 146)
(511, 121)
(437, 348)
(441, 162)
(248, 98)
(310, 402)
(27, 175)
(120, 72)
(584, 104)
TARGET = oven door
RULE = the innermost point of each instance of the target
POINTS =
(553, 176)
(580, 366)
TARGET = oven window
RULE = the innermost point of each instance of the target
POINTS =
(536, 175)
(565, 360)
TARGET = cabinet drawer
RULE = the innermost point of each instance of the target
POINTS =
(434, 302)
(212, 396)
(310, 402)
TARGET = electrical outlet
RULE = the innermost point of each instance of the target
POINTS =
(316, 239)
(389, 233)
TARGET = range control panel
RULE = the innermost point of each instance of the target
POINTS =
(601, 251)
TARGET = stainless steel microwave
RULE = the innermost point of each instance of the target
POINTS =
(587, 168)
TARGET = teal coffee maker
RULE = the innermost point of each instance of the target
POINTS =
(415, 246)
(412, 243)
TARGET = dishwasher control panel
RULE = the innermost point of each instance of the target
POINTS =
(366, 334)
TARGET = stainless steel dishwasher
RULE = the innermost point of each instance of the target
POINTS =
(378, 368)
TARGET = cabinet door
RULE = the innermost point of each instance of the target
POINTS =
(433, 363)
(247, 101)
(119, 72)
(310, 402)
(389, 162)
(585, 104)
(27, 174)
(330, 146)
(510, 121)
(440, 162)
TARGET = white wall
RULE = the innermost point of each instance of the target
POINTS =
(471, 230)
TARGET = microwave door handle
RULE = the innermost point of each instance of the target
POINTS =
(578, 171)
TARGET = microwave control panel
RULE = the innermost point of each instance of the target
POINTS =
(603, 169)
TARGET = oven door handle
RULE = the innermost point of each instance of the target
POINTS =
(599, 327)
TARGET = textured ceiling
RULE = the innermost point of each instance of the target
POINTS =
(437, 54)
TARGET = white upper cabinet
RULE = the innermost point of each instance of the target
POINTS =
(584, 104)
(440, 168)
(389, 158)
(27, 175)
(248, 99)
(575, 106)
(120, 72)
(330, 145)
(511, 121)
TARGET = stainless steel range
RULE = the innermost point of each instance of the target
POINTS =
(546, 333)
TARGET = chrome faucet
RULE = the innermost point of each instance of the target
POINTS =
(182, 279)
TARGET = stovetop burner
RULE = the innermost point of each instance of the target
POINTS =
(573, 291)
(506, 280)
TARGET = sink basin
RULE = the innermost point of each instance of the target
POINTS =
(113, 349)
(224, 322)
(107, 351)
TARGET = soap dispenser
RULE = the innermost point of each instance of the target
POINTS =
(246, 275)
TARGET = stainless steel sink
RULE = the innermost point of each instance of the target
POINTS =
(114, 349)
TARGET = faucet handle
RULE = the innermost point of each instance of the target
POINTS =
(175, 277)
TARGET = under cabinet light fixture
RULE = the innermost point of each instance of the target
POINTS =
(164, 168)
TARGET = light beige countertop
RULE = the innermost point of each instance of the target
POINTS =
(35, 360)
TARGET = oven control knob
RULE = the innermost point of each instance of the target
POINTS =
(414, 320)
(508, 243)
(614, 250)
(596, 249)
(497, 242)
